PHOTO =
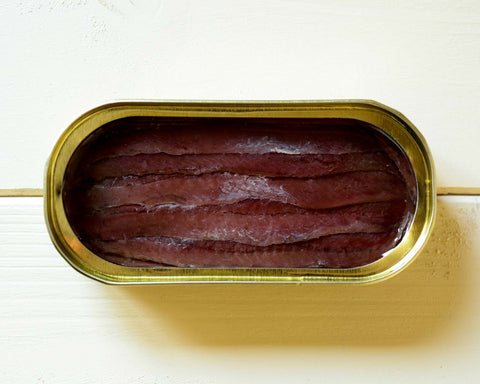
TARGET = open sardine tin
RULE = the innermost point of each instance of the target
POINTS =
(388, 122)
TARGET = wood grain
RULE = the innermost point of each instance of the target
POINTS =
(423, 323)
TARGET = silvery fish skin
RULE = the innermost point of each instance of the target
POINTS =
(226, 193)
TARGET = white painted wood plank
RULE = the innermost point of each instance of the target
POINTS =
(65, 57)
(58, 326)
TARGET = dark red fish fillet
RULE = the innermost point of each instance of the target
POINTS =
(270, 164)
(403, 165)
(335, 251)
(260, 223)
(225, 188)
(232, 136)
(130, 261)
(239, 192)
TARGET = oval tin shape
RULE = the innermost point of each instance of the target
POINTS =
(389, 122)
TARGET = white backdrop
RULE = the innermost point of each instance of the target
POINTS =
(63, 57)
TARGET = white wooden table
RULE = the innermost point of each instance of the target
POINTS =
(61, 58)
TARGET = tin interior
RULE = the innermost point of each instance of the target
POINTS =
(388, 121)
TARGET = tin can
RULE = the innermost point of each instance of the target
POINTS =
(388, 121)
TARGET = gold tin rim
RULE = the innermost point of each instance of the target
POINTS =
(390, 121)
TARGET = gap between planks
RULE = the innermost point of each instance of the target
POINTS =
(21, 192)
(441, 191)
(458, 191)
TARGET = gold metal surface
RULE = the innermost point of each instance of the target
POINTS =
(388, 120)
